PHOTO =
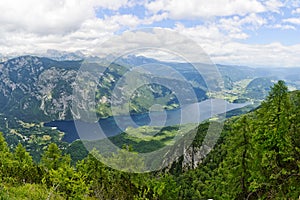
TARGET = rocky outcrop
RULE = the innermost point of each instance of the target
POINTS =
(33, 88)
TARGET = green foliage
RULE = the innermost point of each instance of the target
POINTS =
(52, 158)
(61, 176)
(257, 156)
(142, 139)
(6, 163)
(24, 170)
(262, 159)
(26, 192)
(3, 144)
(275, 163)
(69, 182)
(35, 137)
(146, 96)
(234, 171)
(258, 88)
(77, 151)
(106, 182)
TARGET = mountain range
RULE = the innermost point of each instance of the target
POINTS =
(41, 89)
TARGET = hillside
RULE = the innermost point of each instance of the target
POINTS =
(258, 88)
(256, 157)
(35, 90)
(41, 89)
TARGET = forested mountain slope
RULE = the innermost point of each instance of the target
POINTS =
(257, 157)
(35, 89)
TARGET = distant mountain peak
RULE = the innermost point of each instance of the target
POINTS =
(64, 55)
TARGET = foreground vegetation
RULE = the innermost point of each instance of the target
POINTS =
(257, 157)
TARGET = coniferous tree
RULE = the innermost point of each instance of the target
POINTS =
(273, 146)
(231, 179)
(61, 176)
(25, 170)
(6, 161)
(52, 157)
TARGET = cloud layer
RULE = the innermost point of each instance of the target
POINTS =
(232, 32)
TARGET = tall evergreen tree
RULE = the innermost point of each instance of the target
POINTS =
(232, 177)
(272, 143)
(6, 161)
(25, 170)
(52, 157)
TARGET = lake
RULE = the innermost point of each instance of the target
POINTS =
(193, 113)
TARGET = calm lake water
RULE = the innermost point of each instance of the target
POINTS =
(193, 113)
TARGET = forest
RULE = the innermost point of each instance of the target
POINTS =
(256, 157)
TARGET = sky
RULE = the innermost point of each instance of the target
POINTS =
(238, 32)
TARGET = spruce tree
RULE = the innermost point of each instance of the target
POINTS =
(25, 170)
(272, 144)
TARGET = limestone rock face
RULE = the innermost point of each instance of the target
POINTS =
(33, 88)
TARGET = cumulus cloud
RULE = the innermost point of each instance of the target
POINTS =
(164, 44)
(274, 54)
(114, 4)
(223, 49)
(273, 5)
(44, 17)
(203, 34)
(235, 26)
(217, 45)
(125, 20)
(194, 9)
(282, 27)
(52, 16)
(224, 29)
(296, 11)
(292, 20)
(32, 26)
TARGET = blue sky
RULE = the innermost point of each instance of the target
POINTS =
(240, 32)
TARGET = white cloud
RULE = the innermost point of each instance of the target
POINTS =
(113, 4)
(155, 18)
(164, 44)
(44, 17)
(91, 33)
(224, 29)
(34, 26)
(296, 11)
(124, 20)
(194, 9)
(235, 26)
(295, 21)
(292, 3)
(274, 54)
(273, 5)
(51, 16)
(282, 27)
(223, 49)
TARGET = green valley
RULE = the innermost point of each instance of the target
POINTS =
(256, 157)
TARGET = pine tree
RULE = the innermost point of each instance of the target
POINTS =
(61, 176)
(25, 170)
(272, 144)
(6, 161)
(232, 176)
(52, 157)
